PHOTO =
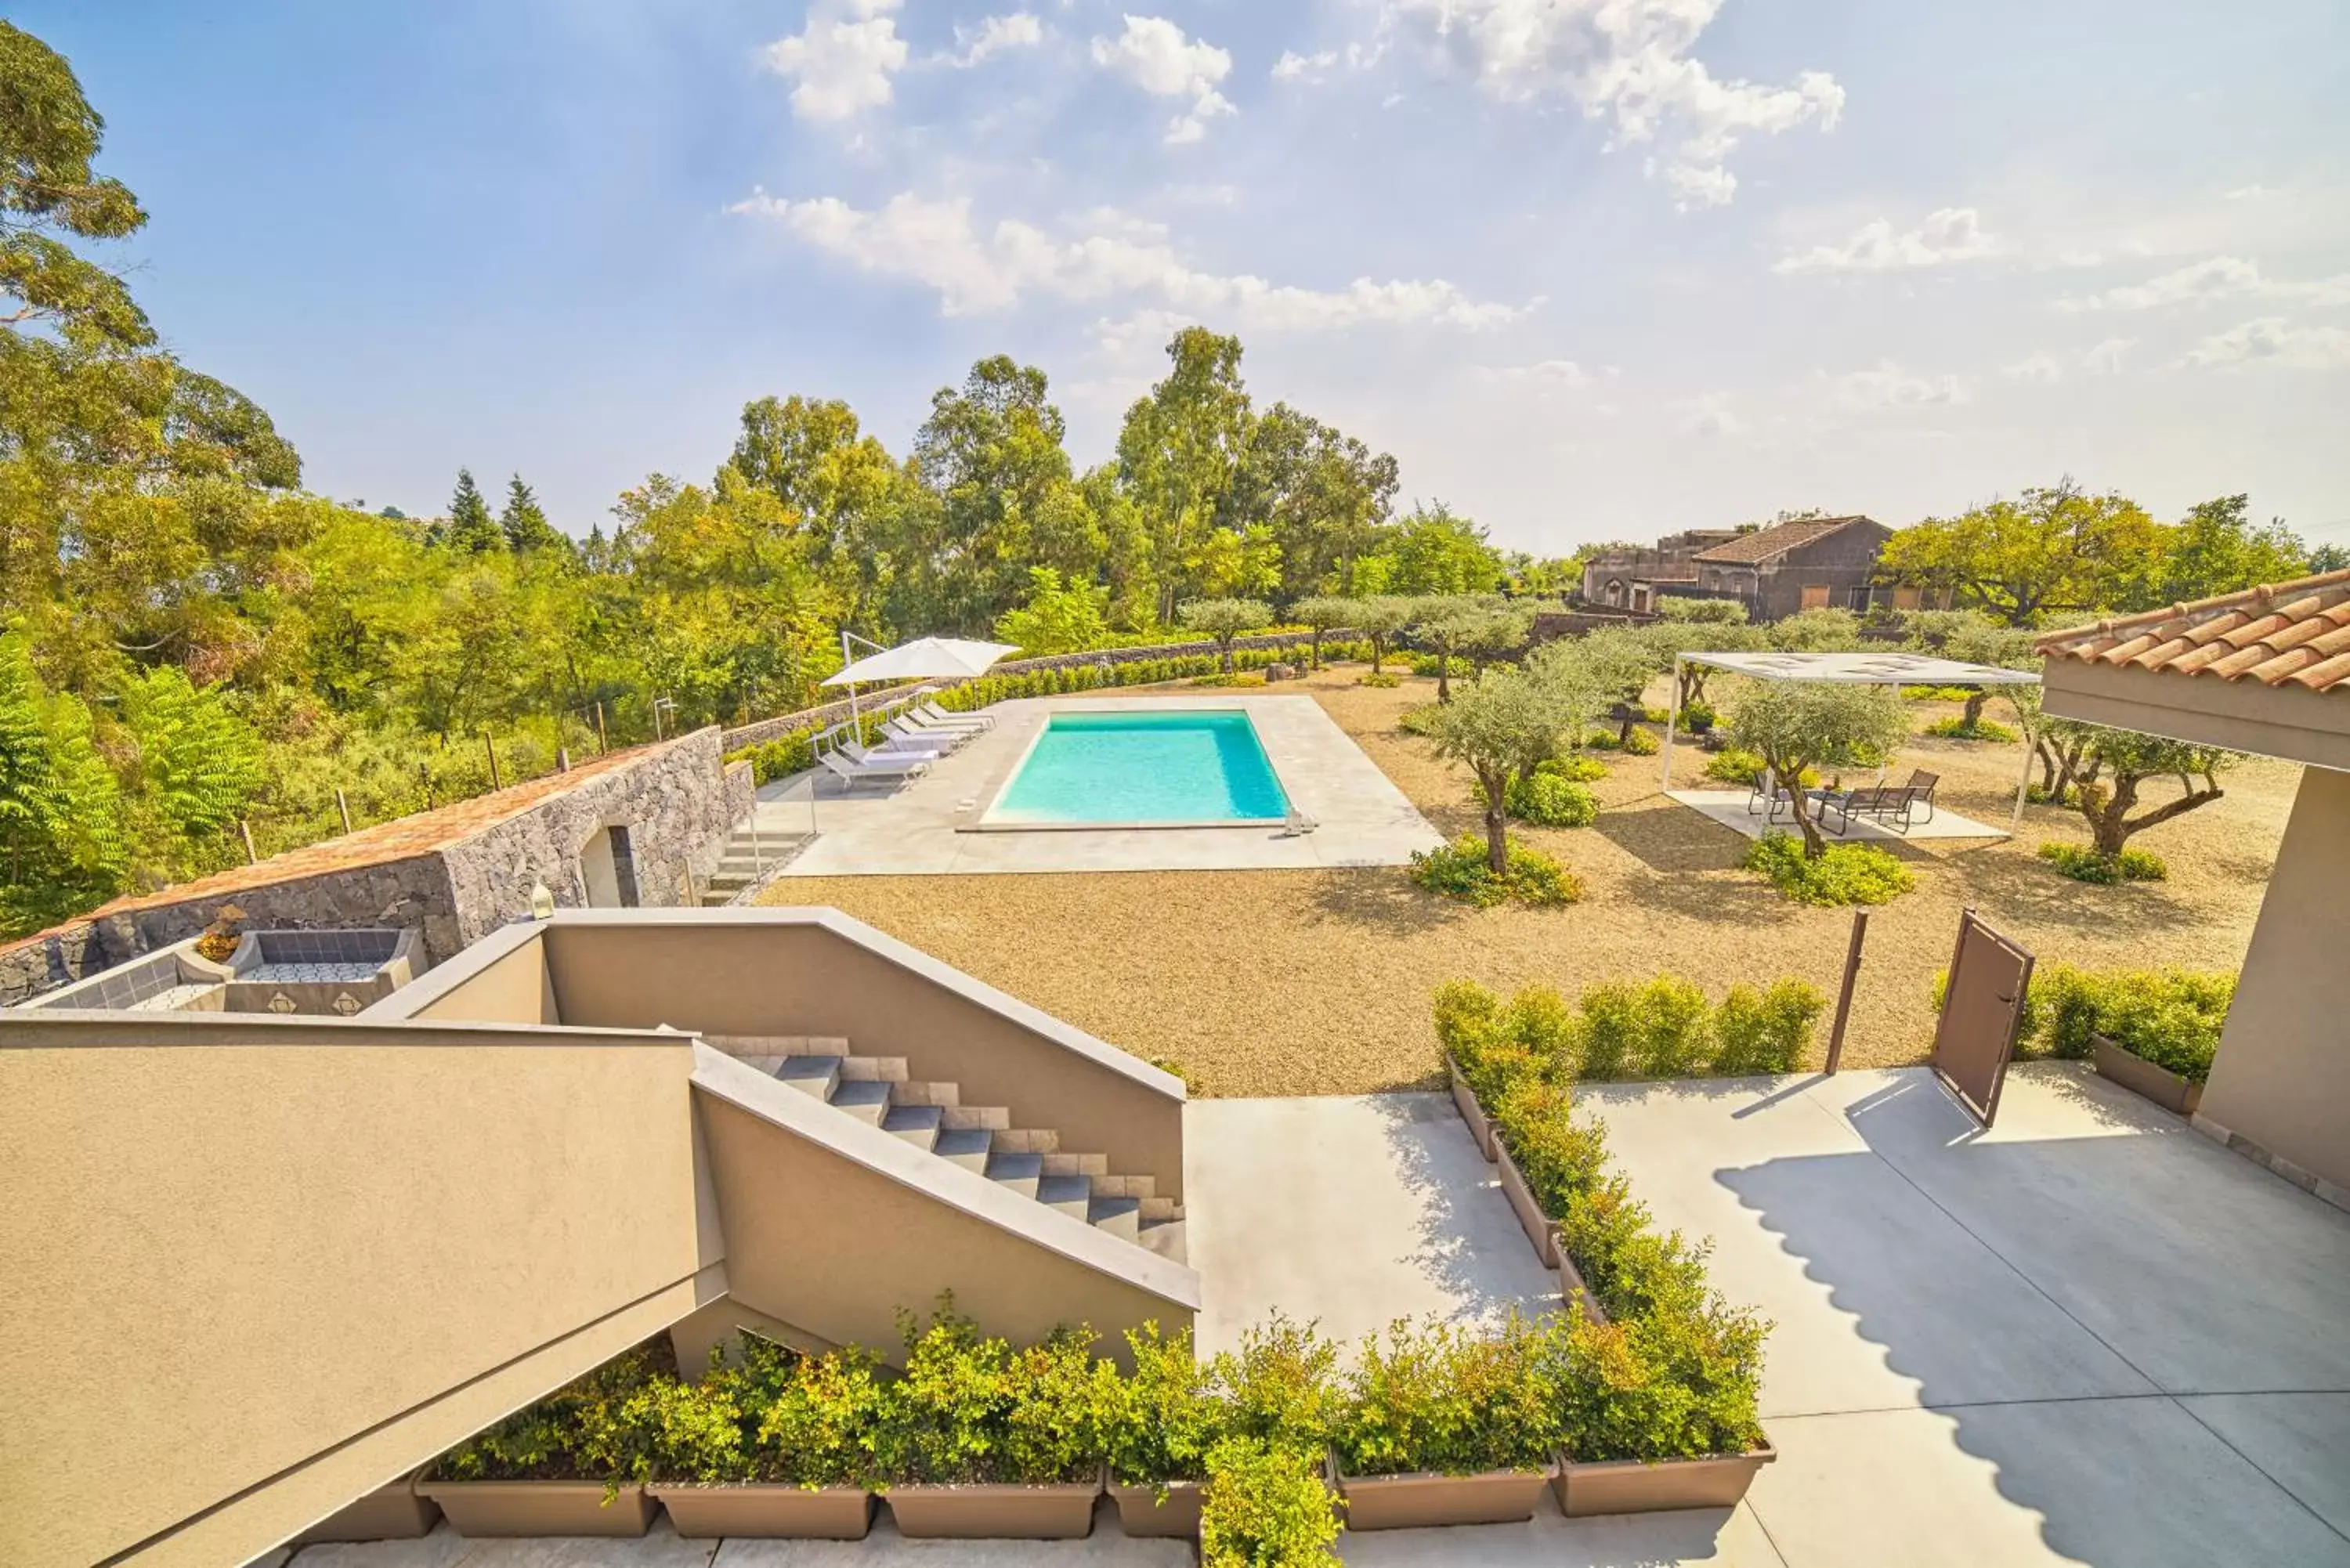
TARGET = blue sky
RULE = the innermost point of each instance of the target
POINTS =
(1589, 268)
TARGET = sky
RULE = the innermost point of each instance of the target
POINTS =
(1588, 268)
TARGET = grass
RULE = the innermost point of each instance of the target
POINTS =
(1292, 982)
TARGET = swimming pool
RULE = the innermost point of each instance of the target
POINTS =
(1196, 767)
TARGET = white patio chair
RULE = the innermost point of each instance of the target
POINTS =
(903, 734)
(929, 709)
(893, 770)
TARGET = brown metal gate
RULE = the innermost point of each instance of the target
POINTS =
(1981, 1015)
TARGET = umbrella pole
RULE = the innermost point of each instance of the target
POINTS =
(852, 687)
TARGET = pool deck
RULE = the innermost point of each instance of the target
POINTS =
(922, 828)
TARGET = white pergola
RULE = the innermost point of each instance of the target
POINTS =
(1895, 669)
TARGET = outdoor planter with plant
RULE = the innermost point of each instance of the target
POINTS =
(769, 1444)
(557, 1468)
(1439, 1425)
(2154, 1031)
(1159, 1423)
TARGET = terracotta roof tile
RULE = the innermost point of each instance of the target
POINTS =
(2291, 634)
(1751, 549)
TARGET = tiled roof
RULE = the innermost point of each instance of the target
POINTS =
(401, 839)
(2293, 634)
(1764, 545)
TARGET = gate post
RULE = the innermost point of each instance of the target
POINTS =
(1844, 998)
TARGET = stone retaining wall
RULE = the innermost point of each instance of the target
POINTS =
(760, 732)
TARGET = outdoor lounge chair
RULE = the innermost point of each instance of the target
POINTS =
(927, 711)
(1893, 805)
(1766, 794)
(847, 747)
(895, 770)
(906, 735)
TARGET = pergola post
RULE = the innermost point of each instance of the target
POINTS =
(2023, 786)
(1672, 717)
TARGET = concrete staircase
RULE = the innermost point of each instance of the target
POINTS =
(980, 1138)
(749, 856)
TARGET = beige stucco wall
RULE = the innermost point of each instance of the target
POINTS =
(514, 988)
(755, 973)
(303, 1256)
(2282, 1077)
(2289, 721)
(838, 1264)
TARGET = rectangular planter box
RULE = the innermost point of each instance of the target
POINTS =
(1571, 1288)
(1063, 1513)
(539, 1508)
(2140, 1076)
(1637, 1486)
(1465, 1100)
(1424, 1500)
(1536, 1224)
(769, 1511)
(1142, 1512)
(390, 1512)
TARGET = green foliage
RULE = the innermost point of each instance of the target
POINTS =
(1798, 725)
(1058, 617)
(1438, 552)
(1435, 1397)
(972, 1408)
(2083, 864)
(1740, 766)
(1160, 1421)
(1550, 801)
(1640, 742)
(568, 1436)
(1266, 1505)
(60, 808)
(523, 521)
(1224, 619)
(2171, 1017)
(813, 1419)
(1380, 679)
(1461, 870)
(1659, 1028)
(1842, 874)
(199, 764)
(469, 528)
(1228, 680)
(1936, 693)
(1575, 768)
(1817, 631)
(1703, 612)
(1956, 727)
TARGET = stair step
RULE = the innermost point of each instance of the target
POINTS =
(1020, 1172)
(1164, 1237)
(966, 1146)
(922, 1093)
(1058, 1164)
(917, 1125)
(990, 1118)
(1028, 1140)
(865, 1100)
(817, 1075)
(873, 1069)
(1069, 1194)
(1121, 1217)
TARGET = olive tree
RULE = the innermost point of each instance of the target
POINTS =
(1321, 614)
(1494, 632)
(1501, 725)
(2120, 762)
(1224, 619)
(1800, 725)
(1587, 675)
(1380, 619)
(1443, 622)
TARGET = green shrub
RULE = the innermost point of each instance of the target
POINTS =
(1550, 801)
(1266, 1505)
(1574, 767)
(1383, 680)
(1281, 1385)
(1640, 744)
(973, 1410)
(1458, 870)
(566, 1435)
(1767, 1031)
(1563, 1160)
(1160, 1421)
(1845, 874)
(1740, 766)
(1956, 727)
(1699, 715)
(2172, 1017)
(812, 1418)
(1418, 721)
(2083, 864)
(1600, 740)
(1229, 681)
(1937, 694)
(1432, 1397)
(1611, 1029)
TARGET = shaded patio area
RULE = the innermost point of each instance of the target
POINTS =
(1729, 808)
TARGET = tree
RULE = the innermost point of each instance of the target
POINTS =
(1800, 725)
(1439, 553)
(523, 521)
(59, 804)
(2330, 558)
(1442, 622)
(1324, 494)
(48, 137)
(1824, 630)
(1703, 612)
(1381, 618)
(1501, 725)
(1668, 640)
(2215, 549)
(199, 763)
(1322, 613)
(1224, 619)
(1057, 618)
(469, 529)
(1589, 676)
(2132, 759)
(2056, 548)
(1985, 643)
(1496, 632)
(991, 455)
(1180, 454)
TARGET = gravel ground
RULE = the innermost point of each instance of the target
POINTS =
(1299, 982)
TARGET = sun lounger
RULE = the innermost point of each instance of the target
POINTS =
(857, 754)
(904, 735)
(895, 770)
(929, 711)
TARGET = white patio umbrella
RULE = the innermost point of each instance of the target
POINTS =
(924, 659)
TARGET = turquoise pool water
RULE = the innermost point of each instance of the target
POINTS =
(1197, 766)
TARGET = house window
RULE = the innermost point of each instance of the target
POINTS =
(1815, 596)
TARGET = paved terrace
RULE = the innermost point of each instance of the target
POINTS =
(2089, 1335)
(917, 829)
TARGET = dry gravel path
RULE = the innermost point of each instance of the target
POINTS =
(1294, 983)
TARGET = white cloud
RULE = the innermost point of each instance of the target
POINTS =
(1887, 386)
(2103, 359)
(841, 59)
(1018, 30)
(1626, 61)
(1949, 234)
(936, 244)
(1541, 377)
(2206, 282)
(1154, 55)
(2271, 340)
(1293, 66)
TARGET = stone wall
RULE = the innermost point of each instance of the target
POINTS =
(679, 803)
(762, 730)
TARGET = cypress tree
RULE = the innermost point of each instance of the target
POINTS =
(525, 523)
(469, 527)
